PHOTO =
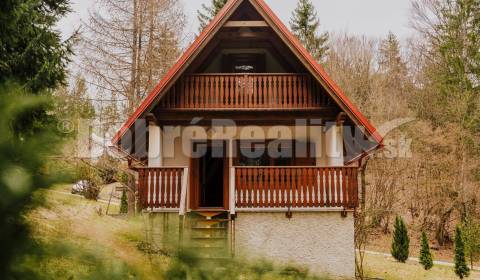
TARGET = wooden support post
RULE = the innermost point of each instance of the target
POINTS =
(183, 193)
(232, 191)
(334, 145)
(155, 159)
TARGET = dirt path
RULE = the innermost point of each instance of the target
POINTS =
(81, 196)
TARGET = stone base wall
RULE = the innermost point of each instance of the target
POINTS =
(323, 242)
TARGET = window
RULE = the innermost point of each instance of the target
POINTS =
(275, 153)
(244, 63)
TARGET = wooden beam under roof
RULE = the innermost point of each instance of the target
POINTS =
(245, 23)
(243, 35)
(244, 116)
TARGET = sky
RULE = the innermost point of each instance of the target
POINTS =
(374, 18)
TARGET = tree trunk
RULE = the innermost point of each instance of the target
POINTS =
(134, 63)
(441, 233)
(131, 195)
(360, 227)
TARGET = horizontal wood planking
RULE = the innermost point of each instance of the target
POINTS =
(296, 187)
(245, 91)
(160, 187)
(245, 23)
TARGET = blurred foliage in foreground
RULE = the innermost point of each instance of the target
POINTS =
(23, 169)
(188, 265)
(77, 243)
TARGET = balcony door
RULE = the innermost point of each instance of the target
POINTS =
(209, 165)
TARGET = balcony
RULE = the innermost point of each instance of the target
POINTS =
(257, 188)
(295, 187)
(163, 189)
(245, 91)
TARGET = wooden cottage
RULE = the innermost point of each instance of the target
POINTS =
(252, 145)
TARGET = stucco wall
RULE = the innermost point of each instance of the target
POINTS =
(322, 242)
(177, 153)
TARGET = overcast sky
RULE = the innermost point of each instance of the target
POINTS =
(369, 17)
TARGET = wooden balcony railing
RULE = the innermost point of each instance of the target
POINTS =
(163, 188)
(295, 187)
(252, 91)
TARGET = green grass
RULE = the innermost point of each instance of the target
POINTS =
(78, 243)
(378, 266)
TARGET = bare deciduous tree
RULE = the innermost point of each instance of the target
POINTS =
(129, 45)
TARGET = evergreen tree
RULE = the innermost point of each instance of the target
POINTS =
(452, 62)
(305, 24)
(401, 241)
(31, 51)
(25, 165)
(461, 268)
(209, 12)
(124, 203)
(425, 256)
(471, 236)
(390, 60)
(34, 57)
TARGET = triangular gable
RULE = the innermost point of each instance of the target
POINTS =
(285, 35)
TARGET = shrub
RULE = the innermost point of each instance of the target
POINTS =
(401, 242)
(124, 203)
(426, 258)
(107, 168)
(471, 238)
(91, 192)
(461, 268)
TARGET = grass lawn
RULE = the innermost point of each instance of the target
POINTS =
(378, 266)
(81, 244)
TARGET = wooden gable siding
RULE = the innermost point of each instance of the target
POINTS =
(246, 91)
(259, 11)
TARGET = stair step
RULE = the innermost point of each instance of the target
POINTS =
(206, 256)
(209, 243)
(213, 253)
(211, 221)
(219, 235)
(208, 246)
(209, 238)
(209, 214)
(209, 228)
(208, 223)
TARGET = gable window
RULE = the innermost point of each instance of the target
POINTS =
(244, 63)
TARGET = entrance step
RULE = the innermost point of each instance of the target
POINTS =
(208, 234)
(210, 214)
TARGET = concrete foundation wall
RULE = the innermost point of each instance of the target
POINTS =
(162, 230)
(323, 242)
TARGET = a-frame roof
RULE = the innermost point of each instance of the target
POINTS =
(286, 36)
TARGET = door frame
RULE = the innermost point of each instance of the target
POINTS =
(194, 189)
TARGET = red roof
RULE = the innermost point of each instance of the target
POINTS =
(283, 32)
